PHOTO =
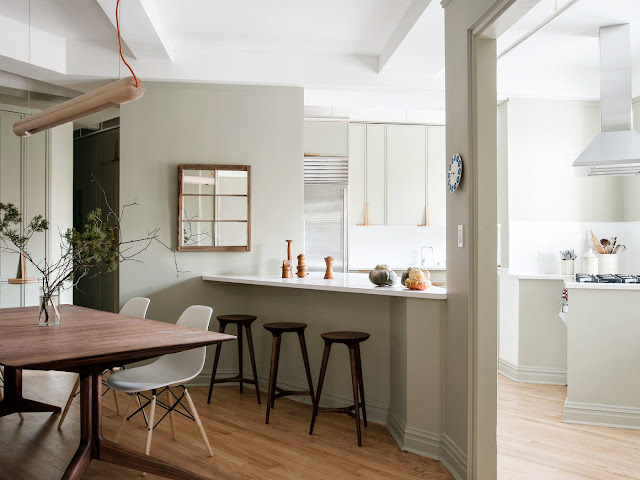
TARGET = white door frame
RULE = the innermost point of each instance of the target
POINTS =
(483, 320)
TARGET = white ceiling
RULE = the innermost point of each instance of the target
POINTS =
(349, 54)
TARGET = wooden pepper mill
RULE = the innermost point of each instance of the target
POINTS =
(286, 265)
(329, 273)
(286, 269)
(302, 266)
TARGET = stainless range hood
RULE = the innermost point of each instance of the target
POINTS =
(615, 151)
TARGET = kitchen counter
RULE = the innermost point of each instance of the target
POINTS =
(343, 282)
(541, 276)
(403, 360)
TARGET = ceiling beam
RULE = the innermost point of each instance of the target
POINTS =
(141, 29)
(414, 12)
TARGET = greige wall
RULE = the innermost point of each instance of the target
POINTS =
(632, 184)
(185, 123)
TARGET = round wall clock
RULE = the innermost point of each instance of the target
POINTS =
(455, 173)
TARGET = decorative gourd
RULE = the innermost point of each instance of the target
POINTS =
(383, 276)
(416, 279)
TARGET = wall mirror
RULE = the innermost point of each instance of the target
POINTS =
(214, 208)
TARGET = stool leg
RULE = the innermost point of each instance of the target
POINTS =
(307, 369)
(361, 385)
(240, 374)
(253, 361)
(323, 370)
(215, 361)
(273, 373)
(354, 383)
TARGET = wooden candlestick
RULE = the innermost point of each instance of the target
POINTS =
(329, 273)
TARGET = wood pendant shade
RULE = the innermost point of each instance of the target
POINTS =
(111, 95)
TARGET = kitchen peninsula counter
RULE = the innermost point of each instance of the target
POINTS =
(403, 360)
(343, 282)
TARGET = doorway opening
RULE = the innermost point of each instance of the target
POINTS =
(96, 180)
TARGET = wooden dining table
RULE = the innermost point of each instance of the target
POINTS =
(88, 342)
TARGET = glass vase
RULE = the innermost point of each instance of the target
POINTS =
(49, 308)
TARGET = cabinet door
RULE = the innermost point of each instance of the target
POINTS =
(10, 192)
(406, 174)
(357, 149)
(376, 173)
(437, 174)
(326, 137)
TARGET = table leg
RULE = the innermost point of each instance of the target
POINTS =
(94, 447)
(14, 402)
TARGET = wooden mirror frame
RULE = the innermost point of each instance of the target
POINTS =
(211, 248)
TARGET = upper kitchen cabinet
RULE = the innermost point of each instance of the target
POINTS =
(406, 174)
(437, 175)
(397, 170)
(326, 137)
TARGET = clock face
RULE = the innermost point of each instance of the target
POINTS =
(455, 173)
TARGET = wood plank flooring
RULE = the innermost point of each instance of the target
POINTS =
(245, 448)
(534, 444)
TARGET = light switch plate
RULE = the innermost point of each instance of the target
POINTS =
(460, 236)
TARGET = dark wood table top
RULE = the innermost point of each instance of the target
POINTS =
(87, 337)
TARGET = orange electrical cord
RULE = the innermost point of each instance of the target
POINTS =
(120, 43)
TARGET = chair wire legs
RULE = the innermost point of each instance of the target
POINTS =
(174, 404)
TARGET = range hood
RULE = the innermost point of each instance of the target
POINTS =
(616, 150)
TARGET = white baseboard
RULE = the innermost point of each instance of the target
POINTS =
(528, 374)
(602, 415)
(454, 458)
(414, 440)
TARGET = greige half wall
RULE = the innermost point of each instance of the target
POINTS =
(192, 123)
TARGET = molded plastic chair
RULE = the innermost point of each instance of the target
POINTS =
(135, 307)
(167, 372)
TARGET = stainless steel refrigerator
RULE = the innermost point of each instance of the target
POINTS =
(325, 211)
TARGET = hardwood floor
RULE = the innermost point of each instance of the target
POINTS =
(534, 444)
(245, 448)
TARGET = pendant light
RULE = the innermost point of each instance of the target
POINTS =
(117, 93)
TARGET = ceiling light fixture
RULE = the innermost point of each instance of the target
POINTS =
(117, 93)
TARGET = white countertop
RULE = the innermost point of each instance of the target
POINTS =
(344, 282)
(603, 286)
(542, 276)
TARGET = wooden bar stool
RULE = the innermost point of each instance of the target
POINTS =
(352, 340)
(240, 321)
(277, 329)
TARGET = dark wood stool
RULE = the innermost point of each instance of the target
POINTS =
(351, 340)
(277, 329)
(240, 321)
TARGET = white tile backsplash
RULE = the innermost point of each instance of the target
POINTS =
(534, 247)
(397, 246)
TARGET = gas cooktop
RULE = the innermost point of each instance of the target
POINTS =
(620, 278)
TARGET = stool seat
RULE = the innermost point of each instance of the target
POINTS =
(345, 337)
(237, 318)
(285, 327)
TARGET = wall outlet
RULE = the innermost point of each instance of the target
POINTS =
(460, 236)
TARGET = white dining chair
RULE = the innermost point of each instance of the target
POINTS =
(134, 307)
(163, 376)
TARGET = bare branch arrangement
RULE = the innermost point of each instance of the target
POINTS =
(99, 247)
